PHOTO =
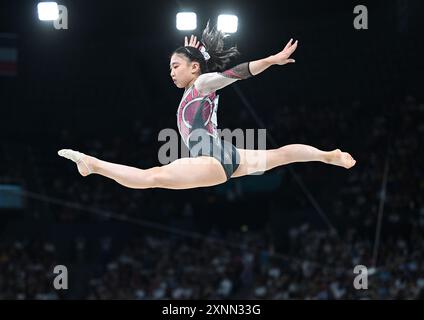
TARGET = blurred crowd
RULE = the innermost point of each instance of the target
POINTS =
(323, 268)
(26, 270)
(232, 266)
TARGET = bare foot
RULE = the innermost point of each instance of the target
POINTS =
(339, 158)
(84, 162)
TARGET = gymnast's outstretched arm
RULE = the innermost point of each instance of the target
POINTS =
(213, 81)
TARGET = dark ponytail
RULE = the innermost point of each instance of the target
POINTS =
(213, 41)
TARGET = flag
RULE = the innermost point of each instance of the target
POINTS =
(8, 54)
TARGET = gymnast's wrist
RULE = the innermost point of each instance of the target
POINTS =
(270, 60)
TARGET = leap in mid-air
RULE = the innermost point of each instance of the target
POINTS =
(200, 67)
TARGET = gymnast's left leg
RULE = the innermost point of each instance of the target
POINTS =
(252, 161)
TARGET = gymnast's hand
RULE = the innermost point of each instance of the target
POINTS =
(193, 42)
(283, 56)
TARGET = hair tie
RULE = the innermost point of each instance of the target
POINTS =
(204, 52)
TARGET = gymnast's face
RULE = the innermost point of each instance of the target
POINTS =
(183, 71)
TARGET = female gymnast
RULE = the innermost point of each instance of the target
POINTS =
(200, 68)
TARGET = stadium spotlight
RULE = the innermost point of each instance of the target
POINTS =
(186, 21)
(227, 23)
(48, 11)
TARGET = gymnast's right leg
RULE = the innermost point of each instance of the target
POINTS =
(185, 173)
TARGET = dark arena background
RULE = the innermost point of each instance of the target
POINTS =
(304, 231)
